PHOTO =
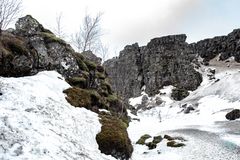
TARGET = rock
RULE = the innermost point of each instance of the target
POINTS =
(169, 138)
(151, 145)
(234, 114)
(92, 57)
(157, 139)
(225, 46)
(188, 109)
(143, 138)
(164, 61)
(32, 48)
(175, 144)
(144, 100)
(113, 138)
(158, 101)
(178, 94)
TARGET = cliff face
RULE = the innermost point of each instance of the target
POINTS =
(166, 61)
(224, 46)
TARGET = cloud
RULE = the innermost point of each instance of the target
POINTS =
(141, 22)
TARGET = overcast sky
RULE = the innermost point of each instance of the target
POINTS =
(129, 21)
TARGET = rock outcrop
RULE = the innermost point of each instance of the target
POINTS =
(234, 114)
(225, 46)
(164, 61)
(32, 48)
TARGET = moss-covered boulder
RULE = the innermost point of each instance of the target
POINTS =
(169, 138)
(113, 138)
(143, 138)
(152, 144)
(157, 139)
(179, 93)
(175, 144)
(86, 98)
(80, 82)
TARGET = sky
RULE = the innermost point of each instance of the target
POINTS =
(126, 22)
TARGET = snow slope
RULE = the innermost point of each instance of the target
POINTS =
(212, 100)
(36, 122)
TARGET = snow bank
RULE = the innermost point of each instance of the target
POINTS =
(36, 122)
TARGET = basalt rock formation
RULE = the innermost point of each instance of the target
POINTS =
(32, 48)
(166, 61)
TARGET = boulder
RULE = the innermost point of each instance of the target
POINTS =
(188, 109)
(234, 114)
(32, 48)
(92, 57)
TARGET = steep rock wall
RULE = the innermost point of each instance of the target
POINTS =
(164, 61)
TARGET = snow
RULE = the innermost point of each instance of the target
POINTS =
(212, 100)
(36, 122)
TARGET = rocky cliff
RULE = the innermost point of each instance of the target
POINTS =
(166, 61)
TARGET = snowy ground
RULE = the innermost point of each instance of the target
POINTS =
(36, 122)
(206, 127)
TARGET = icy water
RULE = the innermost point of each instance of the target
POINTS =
(203, 145)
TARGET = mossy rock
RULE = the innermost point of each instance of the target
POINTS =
(175, 144)
(168, 137)
(179, 93)
(151, 145)
(113, 138)
(80, 82)
(106, 86)
(100, 69)
(14, 45)
(157, 139)
(80, 61)
(50, 37)
(86, 98)
(90, 65)
(112, 98)
(100, 75)
(143, 138)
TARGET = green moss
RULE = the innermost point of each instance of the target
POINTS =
(78, 97)
(100, 75)
(14, 45)
(90, 65)
(179, 93)
(113, 138)
(168, 137)
(85, 74)
(175, 144)
(80, 61)
(86, 98)
(143, 138)
(106, 86)
(112, 98)
(50, 37)
(157, 139)
(80, 82)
